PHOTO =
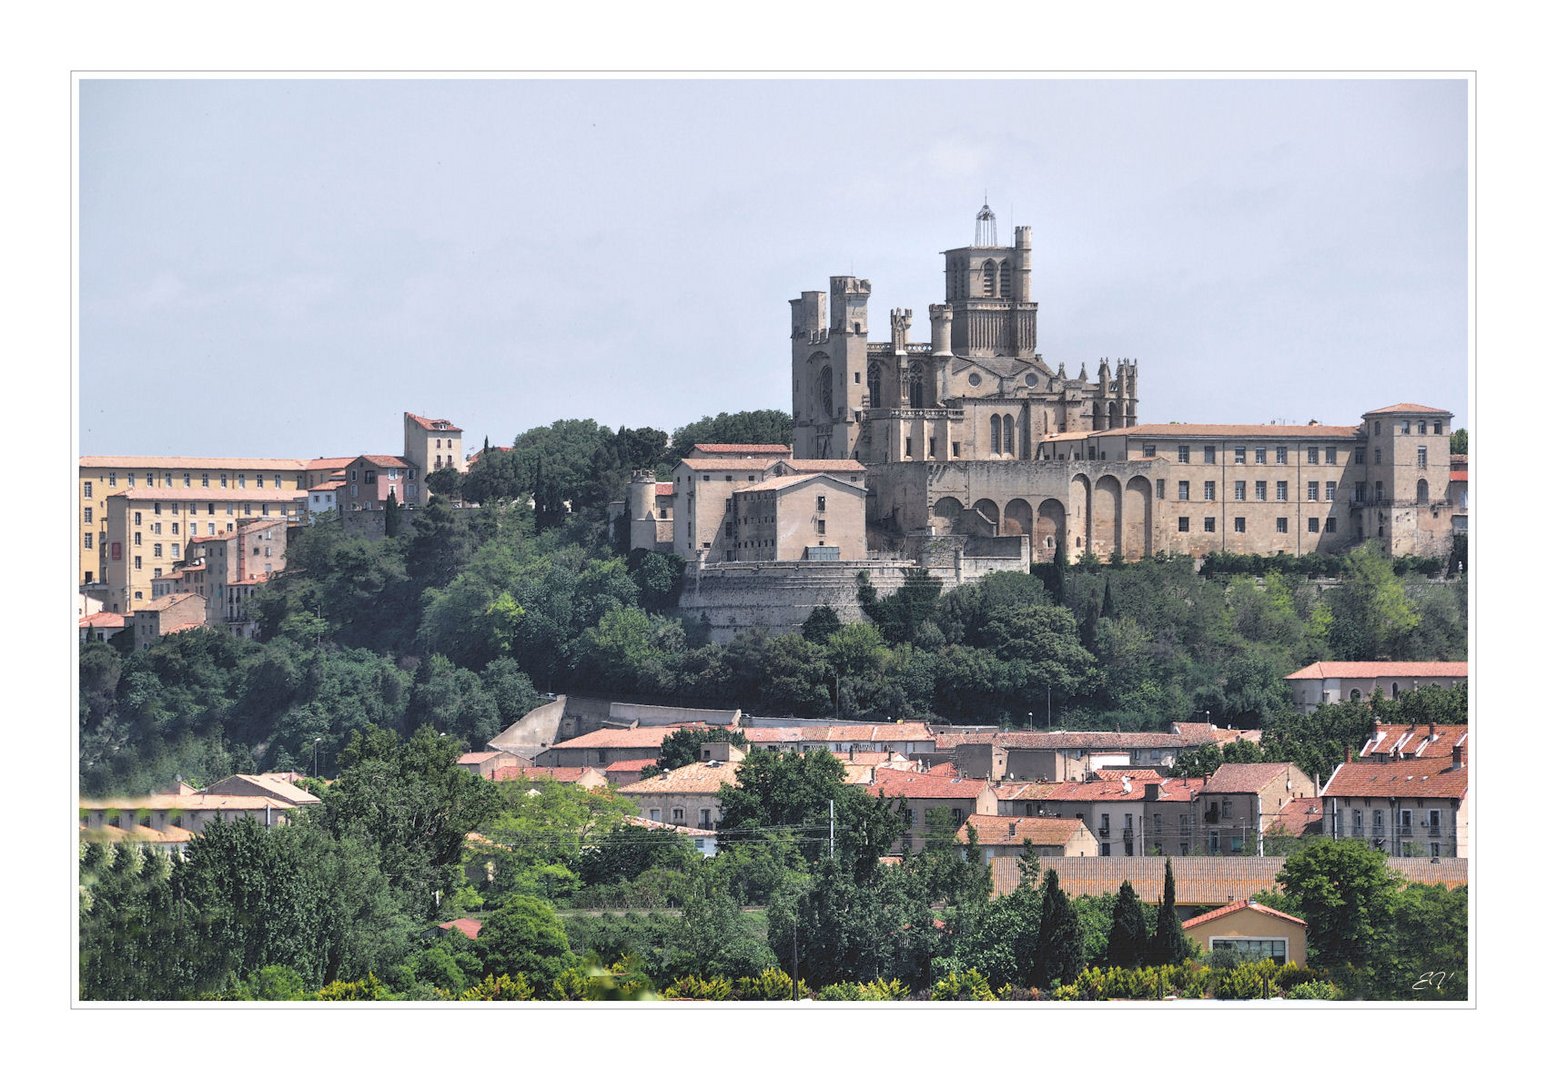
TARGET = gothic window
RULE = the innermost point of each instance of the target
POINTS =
(1112, 415)
(993, 434)
(990, 282)
(874, 378)
(826, 383)
(1009, 436)
(916, 392)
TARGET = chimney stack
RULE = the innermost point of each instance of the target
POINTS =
(1348, 755)
(1433, 731)
(1012, 829)
(1457, 756)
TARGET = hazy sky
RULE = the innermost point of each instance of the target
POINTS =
(281, 268)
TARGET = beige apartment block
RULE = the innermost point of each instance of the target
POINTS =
(705, 484)
(923, 792)
(1006, 837)
(165, 615)
(1410, 808)
(688, 796)
(210, 493)
(798, 516)
(1241, 803)
(1129, 814)
(432, 444)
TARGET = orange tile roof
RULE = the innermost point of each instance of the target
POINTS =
(820, 465)
(1397, 780)
(1079, 740)
(1171, 789)
(741, 448)
(197, 800)
(905, 731)
(104, 618)
(711, 465)
(385, 461)
(1382, 669)
(891, 783)
(563, 774)
(1296, 816)
(139, 461)
(1239, 905)
(161, 603)
(327, 463)
(433, 425)
(631, 765)
(1233, 779)
(470, 927)
(699, 778)
(1408, 407)
(992, 829)
(1458, 475)
(1138, 776)
(665, 487)
(1414, 741)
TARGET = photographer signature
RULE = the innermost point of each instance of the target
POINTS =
(1431, 979)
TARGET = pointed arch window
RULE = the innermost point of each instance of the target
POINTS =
(826, 381)
(990, 279)
(993, 433)
(873, 377)
(1009, 435)
(916, 392)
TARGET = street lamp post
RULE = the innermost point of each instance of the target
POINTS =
(315, 743)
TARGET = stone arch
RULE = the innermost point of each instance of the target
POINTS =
(873, 381)
(1138, 518)
(1106, 517)
(990, 278)
(1112, 414)
(989, 509)
(1048, 531)
(946, 511)
(1079, 516)
(1017, 518)
(916, 392)
(1423, 492)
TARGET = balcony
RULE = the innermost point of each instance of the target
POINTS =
(1434, 830)
(1104, 832)
(1211, 817)
(1405, 830)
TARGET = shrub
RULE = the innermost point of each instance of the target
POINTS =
(969, 985)
(693, 988)
(770, 984)
(369, 988)
(501, 987)
(878, 990)
(1315, 990)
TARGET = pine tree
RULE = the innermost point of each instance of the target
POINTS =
(1129, 939)
(1168, 946)
(1059, 947)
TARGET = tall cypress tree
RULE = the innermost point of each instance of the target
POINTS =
(1129, 939)
(1169, 946)
(1060, 954)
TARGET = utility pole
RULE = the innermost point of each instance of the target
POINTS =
(832, 834)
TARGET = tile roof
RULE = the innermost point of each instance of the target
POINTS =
(903, 731)
(140, 461)
(1238, 431)
(327, 463)
(631, 765)
(1295, 818)
(777, 483)
(563, 774)
(822, 465)
(1458, 475)
(1171, 789)
(891, 783)
(1232, 779)
(1414, 741)
(1201, 880)
(712, 464)
(992, 829)
(1397, 780)
(665, 487)
(699, 778)
(432, 425)
(1408, 407)
(1138, 776)
(1239, 905)
(1079, 740)
(667, 826)
(104, 618)
(470, 927)
(198, 800)
(161, 603)
(385, 461)
(1202, 734)
(275, 785)
(1382, 669)
(741, 448)
(641, 738)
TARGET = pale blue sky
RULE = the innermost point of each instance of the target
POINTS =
(282, 267)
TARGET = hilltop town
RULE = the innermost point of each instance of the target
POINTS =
(958, 681)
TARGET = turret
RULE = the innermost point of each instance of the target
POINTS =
(851, 299)
(808, 316)
(940, 329)
(902, 319)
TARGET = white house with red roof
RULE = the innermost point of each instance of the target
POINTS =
(1329, 681)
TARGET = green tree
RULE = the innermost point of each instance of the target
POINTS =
(1060, 949)
(1169, 945)
(1129, 941)
(821, 624)
(1370, 610)
(445, 481)
(682, 746)
(393, 522)
(1346, 893)
(1458, 441)
(761, 426)
(524, 936)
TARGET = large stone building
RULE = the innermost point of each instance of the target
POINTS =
(975, 433)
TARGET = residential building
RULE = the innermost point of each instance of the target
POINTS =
(705, 841)
(432, 444)
(370, 480)
(923, 792)
(103, 626)
(580, 775)
(1128, 816)
(1006, 837)
(1327, 682)
(1251, 931)
(269, 785)
(908, 738)
(1075, 755)
(234, 564)
(604, 746)
(189, 812)
(169, 614)
(1241, 802)
(1413, 742)
(485, 762)
(688, 796)
(1402, 807)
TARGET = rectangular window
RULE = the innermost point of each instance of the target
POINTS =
(1281, 525)
(1332, 490)
(821, 504)
(1312, 455)
(193, 528)
(112, 479)
(1160, 489)
(907, 447)
(1359, 491)
(1208, 524)
(1260, 455)
(137, 564)
(131, 479)
(1423, 457)
(88, 515)
(1380, 491)
(187, 480)
(204, 479)
(1358, 455)
(1240, 525)
(155, 528)
(1208, 454)
(86, 490)
(821, 527)
(155, 550)
(1312, 525)
(87, 543)
(177, 551)
(1240, 491)
(1240, 455)
(1183, 453)
(1208, 490)
(1281, 491)
(1377, 455)
(1183, 525)
(1149, 449)
(1331, 525)
(136, 539)
(1407, 427)
(1312, 490)
(224, 480)
(1281, 455)
(136, 517)
(1332, 455)
(1183, 490)
(1261, 490)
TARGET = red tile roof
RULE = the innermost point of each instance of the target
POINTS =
(1172, 789)
(1382, 669)
(891, 783)
(992, 829)
(433, 425)
(821, 465)
(1080, 740)
(945, 768)
(1414, 741)
(1458, 476)
(1239, 905)
(1408, 407)
(1236, 431)
(328, 463)
(1201, 880)
(1398, 780)
(907, 731)
(385, 461)
(470, 927)
(563, 774)
(740, 448)
(1138, 776)
(631, 765)
(104, 618)
(665, 487)
(1295, 818)
(140, 461)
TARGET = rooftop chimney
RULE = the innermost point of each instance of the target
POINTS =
(1433, 731)
(1012, 828)
(1457, 756)
(1348, 755)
